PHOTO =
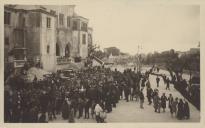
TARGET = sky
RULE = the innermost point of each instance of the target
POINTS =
(127, 24)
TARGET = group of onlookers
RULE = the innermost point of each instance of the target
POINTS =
(90, 93)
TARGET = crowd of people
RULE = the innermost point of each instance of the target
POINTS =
(177, 107)
(90, 93)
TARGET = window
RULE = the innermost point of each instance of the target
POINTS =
(6, 41)
(48, 22)
(68, 21)
(24, 22)
(38, 19)
(7, 17)
(57, 50)
(75, 25)
(61, 19)
(19, 37)
(84, 39)
(84, 27)
(48, 49)
(90, 38)
(67, 51)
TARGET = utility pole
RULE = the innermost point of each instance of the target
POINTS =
(138, 59)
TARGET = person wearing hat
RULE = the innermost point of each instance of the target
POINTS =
(170, 102)
(163, 101)
(186, 109)
(156, 101)
(157, 80)
(141, 95)
(149, 94)
(71, 118)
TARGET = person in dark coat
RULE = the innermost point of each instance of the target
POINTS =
(180, 110)
(156, 101)
(33, 114)
(108, 104)
(87, 106)
(186, 110)
(143, 82)
(44, 101)
(159, 105)
(80, 107)
(157, 80)
(163, 101)
(65, 110)
(164, 79)
(174, 106)
(170, 102)
(42, 118)
(71, 118)
(168, 82)
(141, 99)
(7, 107)
(121, 91)
(127, 92)
(25, 116)
(149, 95)
(113, 97)
(16, 108)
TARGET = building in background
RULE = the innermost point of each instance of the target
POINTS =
(53, 36)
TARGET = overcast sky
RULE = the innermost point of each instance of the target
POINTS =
(127, 24)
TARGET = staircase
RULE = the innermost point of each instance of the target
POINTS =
(98, 60)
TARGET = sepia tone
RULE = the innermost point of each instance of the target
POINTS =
(56, 72)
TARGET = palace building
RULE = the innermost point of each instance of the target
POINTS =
(53, 36)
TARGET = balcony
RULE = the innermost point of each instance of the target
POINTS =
(19, 63)
(63, 60)
(19, 57)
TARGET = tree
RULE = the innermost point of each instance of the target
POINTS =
(113, 50)
(93, 50)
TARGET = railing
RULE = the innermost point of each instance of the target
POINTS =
(19, 63)
(98, 60)
(63, 60)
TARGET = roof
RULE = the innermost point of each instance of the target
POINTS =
(79, 17)
(29, 8)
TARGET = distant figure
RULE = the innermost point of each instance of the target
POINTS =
(168, 82)
(98, 110)
(156, 101)
(174, 106)
(164, 78)
(149, 95)
(157, 69)
(126, 92)
(157, 80)
(35, 79)
(164, 101)
(180, 111)
(71, 116)
(170, 102)
(159, 105)
(186, 110)
(141, 99)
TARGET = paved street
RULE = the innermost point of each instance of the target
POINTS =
(63, 59)
(131, 112)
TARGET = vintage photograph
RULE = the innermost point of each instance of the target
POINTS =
(101, 62)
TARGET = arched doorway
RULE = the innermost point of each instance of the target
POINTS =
(57, 50)
(67, 51)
